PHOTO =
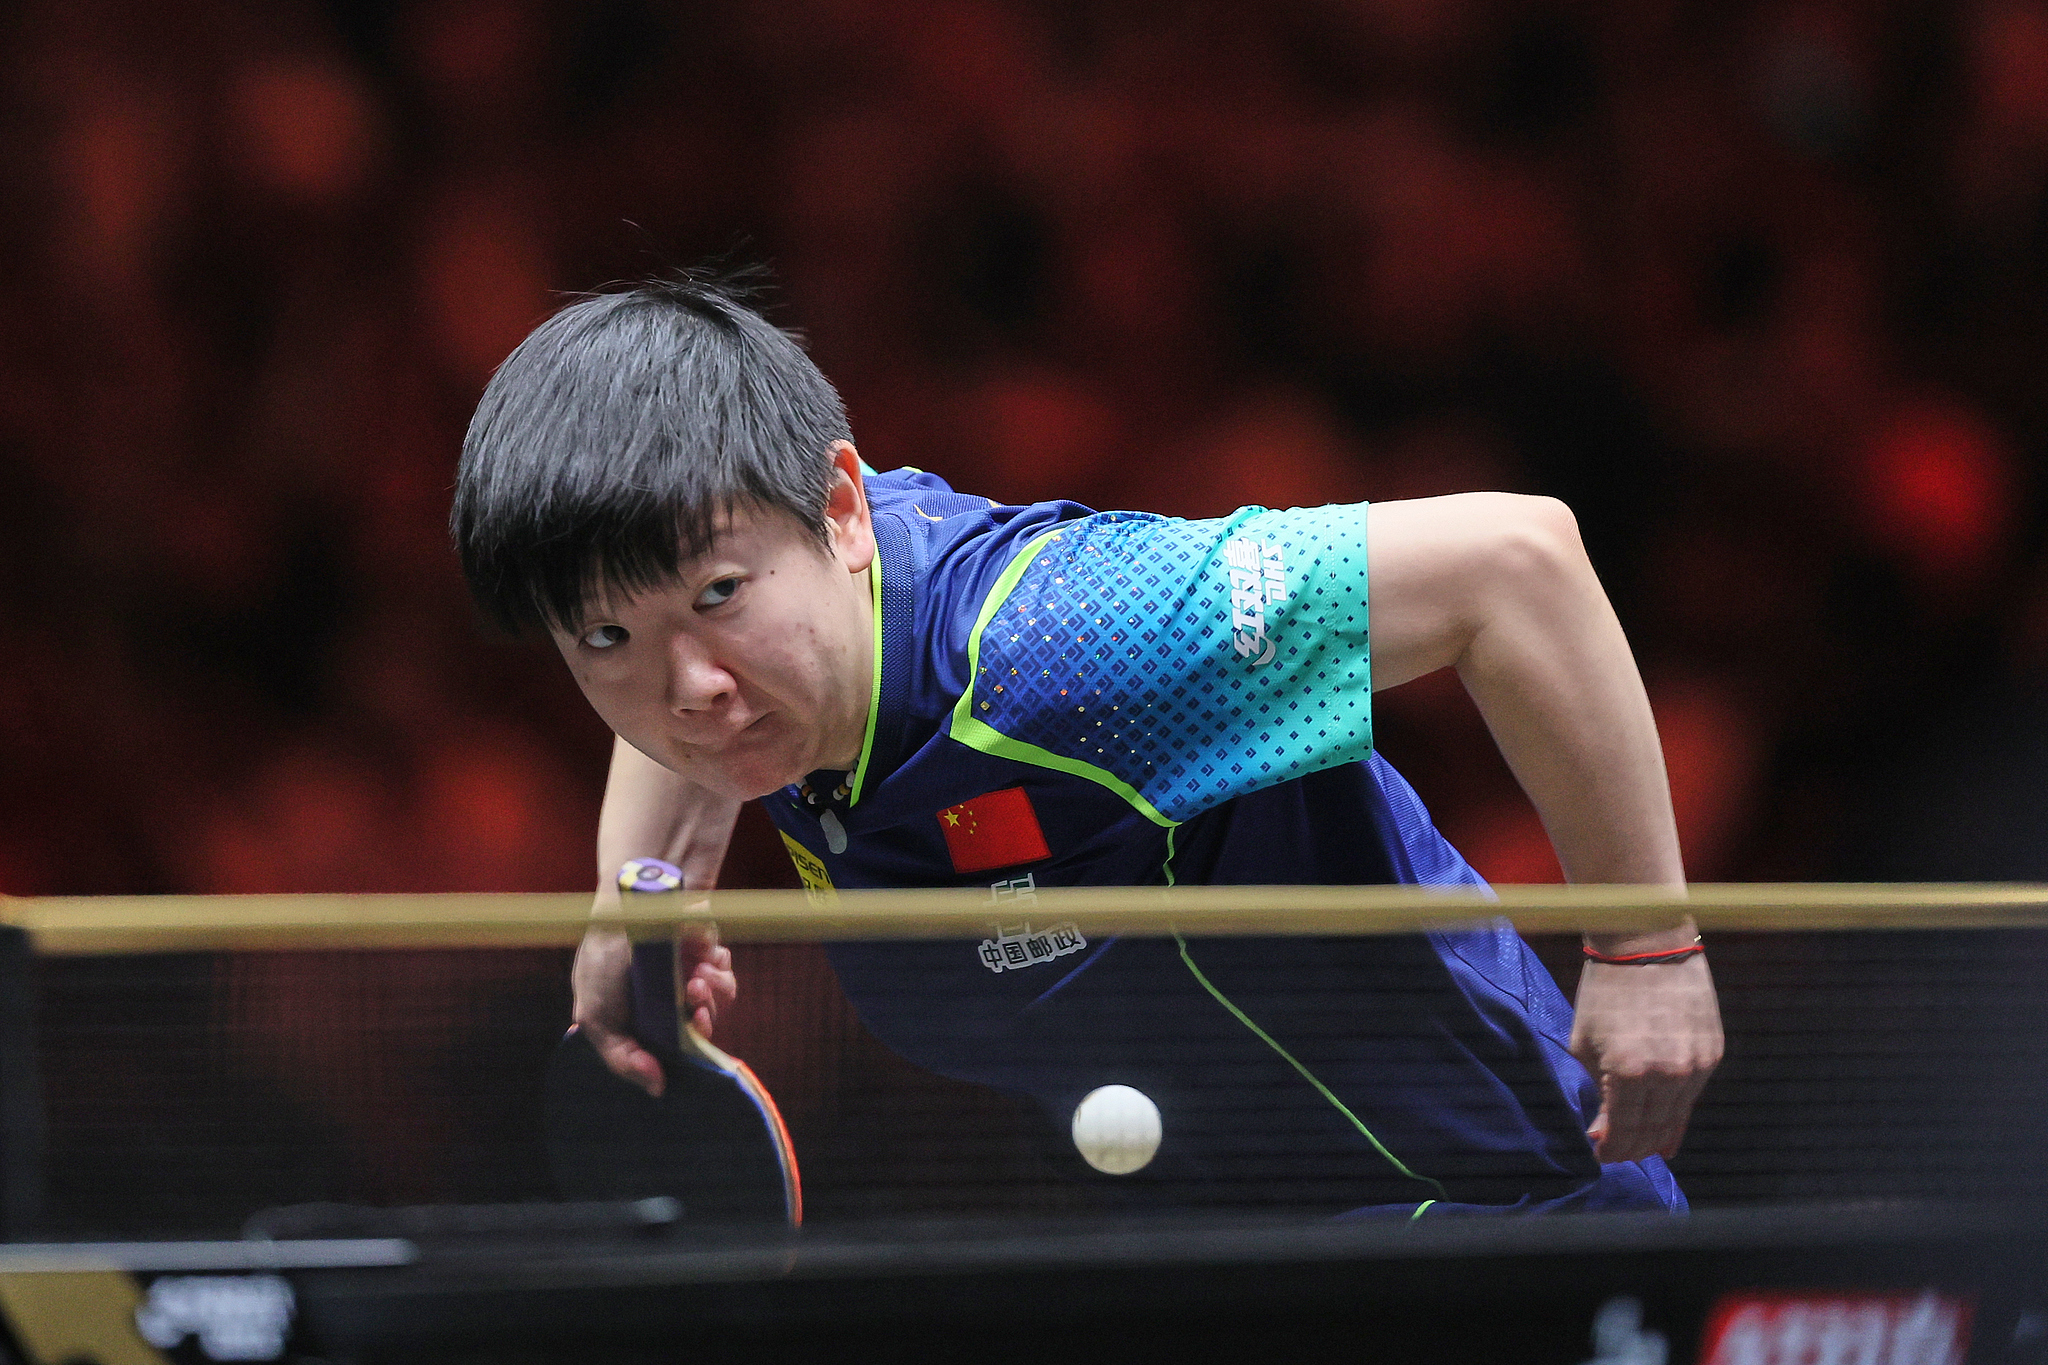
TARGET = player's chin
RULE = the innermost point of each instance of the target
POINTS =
(740, 772)
(757, 775)
(763, 759)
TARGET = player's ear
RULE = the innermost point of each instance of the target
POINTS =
(847, 525)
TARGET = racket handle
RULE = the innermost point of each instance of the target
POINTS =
(656, 1022)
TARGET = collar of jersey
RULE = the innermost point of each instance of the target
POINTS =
(867, 742)
(894, 597)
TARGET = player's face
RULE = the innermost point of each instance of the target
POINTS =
(755, 666)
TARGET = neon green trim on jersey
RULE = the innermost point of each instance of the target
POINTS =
(1307, 1075)
(978, 734)
(867, 742)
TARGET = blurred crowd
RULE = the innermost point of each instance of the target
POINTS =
(1761, 289)
(1757, 288)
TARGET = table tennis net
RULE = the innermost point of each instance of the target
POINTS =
(184, 1094)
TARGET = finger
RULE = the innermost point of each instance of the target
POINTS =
(1669, 1150)
(1623, 1140)
(1682, 1119)
(709, 986)
(1583, 1049)
(1596, 1131)
(702, 1003)
(627, 1060)
(1603, 1122)
(725, 987)
(714, 973)
(1666, 1103)
(1671, 1096)
(695, 943)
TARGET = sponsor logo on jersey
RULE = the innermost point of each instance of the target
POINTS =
(1750, 1327)
(998, 829)
(1020, 945)
(1258, 580)
(1014, 891)
(809, 866)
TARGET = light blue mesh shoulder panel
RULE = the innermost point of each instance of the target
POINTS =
(1190, 660)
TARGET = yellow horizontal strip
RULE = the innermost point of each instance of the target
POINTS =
(64, 1316)
(158, 924)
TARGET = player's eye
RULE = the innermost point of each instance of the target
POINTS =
(718, 592)
(604, 637)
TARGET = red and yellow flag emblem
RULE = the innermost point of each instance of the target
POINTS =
(996, 830)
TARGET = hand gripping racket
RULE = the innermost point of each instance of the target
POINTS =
(714, 1139)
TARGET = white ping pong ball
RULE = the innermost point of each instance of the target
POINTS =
(1117, 1129)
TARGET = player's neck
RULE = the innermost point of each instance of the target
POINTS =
(843, 755)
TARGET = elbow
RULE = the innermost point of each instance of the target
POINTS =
(1530, 583)
(1533, 541)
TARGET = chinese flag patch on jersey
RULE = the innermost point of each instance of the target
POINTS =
(996, 830)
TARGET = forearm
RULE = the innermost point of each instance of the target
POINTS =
(1499, 588)
(1553, 676)
(650, 812)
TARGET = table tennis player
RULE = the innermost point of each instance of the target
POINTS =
(925, 688)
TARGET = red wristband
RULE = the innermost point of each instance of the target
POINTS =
(1645, 959)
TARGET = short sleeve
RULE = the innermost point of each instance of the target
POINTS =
(1179, 662)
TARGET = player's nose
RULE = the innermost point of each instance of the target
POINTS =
(697, 682)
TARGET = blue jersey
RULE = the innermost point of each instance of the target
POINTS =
(1070, 698)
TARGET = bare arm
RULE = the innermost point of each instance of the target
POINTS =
(650, 812)
(1498, 587)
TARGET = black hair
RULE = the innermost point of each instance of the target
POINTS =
(611, 445)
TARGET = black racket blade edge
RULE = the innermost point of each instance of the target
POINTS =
(704, 1142)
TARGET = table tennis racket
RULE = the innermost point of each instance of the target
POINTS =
(714, 1139)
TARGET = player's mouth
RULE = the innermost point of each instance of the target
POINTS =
(756, 738)
(705, 744)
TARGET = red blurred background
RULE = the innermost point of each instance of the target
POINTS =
(1761, 289)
